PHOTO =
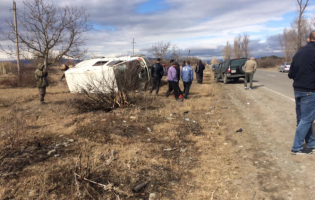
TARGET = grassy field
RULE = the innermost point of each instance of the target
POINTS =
(53, 151)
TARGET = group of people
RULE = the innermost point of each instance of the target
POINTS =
(174, 73)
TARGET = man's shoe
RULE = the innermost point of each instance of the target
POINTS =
(245, 88)
(312, 149)
(301, 152)
(179, 100)
(251, 88)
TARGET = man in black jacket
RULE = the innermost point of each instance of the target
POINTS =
(302, 71)
(157, 72)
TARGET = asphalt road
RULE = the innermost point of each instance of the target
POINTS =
(275, 82)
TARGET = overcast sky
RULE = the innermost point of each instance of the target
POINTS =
(203, 26)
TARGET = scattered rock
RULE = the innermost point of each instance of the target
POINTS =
(224, 107)
(237, 181)
(183, 150)
(71, 140)
(208, 113)
(60, 145)
(57, 155)
(153, 196)
(187, 119)
(149, 129)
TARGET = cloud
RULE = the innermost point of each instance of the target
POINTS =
(202, 26)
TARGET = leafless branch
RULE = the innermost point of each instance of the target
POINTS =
(49, 32)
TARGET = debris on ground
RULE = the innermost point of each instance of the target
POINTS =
(187, 119)
(239, 130)
(139, 187)
(224, 107)
(149, 129)
(186, 112)
(153, 196)
(169, 149)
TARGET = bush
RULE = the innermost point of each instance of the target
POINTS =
(268, 62)
(111, 91)
(27, 77)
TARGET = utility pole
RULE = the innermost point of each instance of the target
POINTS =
(189, 53)
(133, 46)
(16, 40)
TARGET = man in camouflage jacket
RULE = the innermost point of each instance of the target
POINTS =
(41, 79)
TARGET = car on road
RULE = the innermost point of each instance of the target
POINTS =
(285, 67)
(232, 69)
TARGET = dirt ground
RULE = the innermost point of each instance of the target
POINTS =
(181, 150)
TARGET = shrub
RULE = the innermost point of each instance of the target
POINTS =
(267, 62)
(111, 92)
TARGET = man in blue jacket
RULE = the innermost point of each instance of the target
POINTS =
(302, 71)
(187, 74)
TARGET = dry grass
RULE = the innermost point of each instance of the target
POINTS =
(181, 159)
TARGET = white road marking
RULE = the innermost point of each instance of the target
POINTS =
(279, 94)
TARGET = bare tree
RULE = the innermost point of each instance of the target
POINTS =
(245, 45)
(214, 61)
(160, 49)
(305, 29)
(175, 52)
(48, 32)
(287, 42)
(227, 51)
(302, 4)
(237, 46)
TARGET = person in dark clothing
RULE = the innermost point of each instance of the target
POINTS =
(199, 71)
(157, 72)
(302, 71)
(173, 82)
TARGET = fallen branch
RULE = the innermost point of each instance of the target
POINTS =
(108, 187)
(111, 158)
(212, 195)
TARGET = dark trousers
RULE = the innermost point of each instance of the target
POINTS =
(42, 92)
(174, 86)
(248, 76)
(155, 84)
(199, 77)
(187, 86)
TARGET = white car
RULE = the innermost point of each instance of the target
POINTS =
(98, 75)
(285, 67)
